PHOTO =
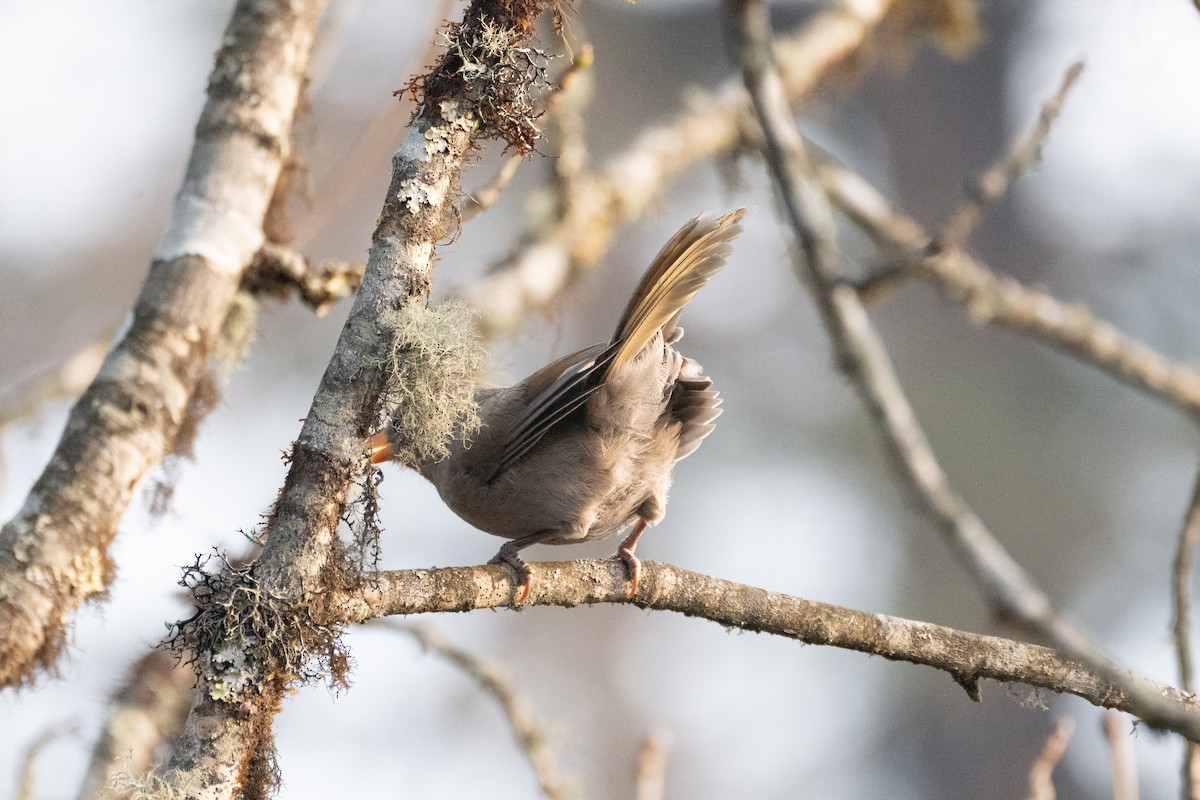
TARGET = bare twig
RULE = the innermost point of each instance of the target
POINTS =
(157, 381)
(482, 199)
(968, 658)
(27, 777)
(1181, 573)
(278, 270)
(1124, 776)
(146, 714)
(992, 185)
(555, 249)
(1003, 301)
(63, 382)
(863, 357)
(652, 767)
(528, 731)
(1041, 774)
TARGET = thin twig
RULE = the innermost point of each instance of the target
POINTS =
(1181, 572)
(1003, 301)
(863, 357)
(528, 731)
(278, 270)
(1120, 754)
(968, 658)
(652, 767)
(1041, 774)
(63, 382)
(993, 184)
(27, 776)
(482, 199)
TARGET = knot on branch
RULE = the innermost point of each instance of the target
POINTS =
(256, 643)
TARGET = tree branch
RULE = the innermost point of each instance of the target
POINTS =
(54, 552)
(147, 712)
(967, 657)
(527, 730)
(863, 357)
(1181, 626)
(482, 86)
(989, 298)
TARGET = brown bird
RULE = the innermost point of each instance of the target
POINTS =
(585, 446)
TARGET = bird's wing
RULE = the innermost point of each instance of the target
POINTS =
(555, 391)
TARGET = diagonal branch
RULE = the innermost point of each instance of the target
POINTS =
(1181, 625)
(863, 357)
(967, 657)
(54, 552)
(529, 732)
(481, 87)
(858, 348)
(1004, 301)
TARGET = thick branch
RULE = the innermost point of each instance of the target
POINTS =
(54, 553)
(966, 657)
(226, 749)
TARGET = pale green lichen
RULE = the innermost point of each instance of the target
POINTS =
(433, 369)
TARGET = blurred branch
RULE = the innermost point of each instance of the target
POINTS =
(258, 630)
(27, 776)
(1041, 774)
(146, 714)
(1124, 776)
(482, 199)
(863, 357)
(557, 246)
(63, 382)
(342, 179)
(652, 767)
(278, 270)
(967, 657)
(994, 183)
(157, 381)
(528, 732)
(858, 348)
(1003, 301)
(1181, 625)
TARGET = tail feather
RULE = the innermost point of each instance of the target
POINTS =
(681, 268)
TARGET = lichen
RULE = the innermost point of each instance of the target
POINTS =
(433, 370)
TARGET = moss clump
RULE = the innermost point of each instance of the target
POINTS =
(433, 370)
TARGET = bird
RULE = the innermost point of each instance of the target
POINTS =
(585, 446)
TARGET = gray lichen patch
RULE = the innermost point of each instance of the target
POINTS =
(433, 369)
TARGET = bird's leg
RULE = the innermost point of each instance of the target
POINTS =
(510, 554)
(625, 553)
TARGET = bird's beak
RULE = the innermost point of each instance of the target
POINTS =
(380, 447)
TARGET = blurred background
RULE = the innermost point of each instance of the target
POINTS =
(1084, 480)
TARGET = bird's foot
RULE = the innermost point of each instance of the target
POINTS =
(524, 573)
(634, 566)
(625, 553)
